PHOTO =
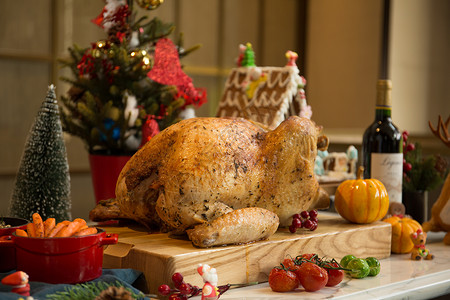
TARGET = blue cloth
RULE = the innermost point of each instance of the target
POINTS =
(39, 290)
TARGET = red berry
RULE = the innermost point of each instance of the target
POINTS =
(304, 214)
(308, 224)
(296, 216)
(195, 291)
(185, 288)
(407, 167)
(405, 135)
(164, 289)
(313, 214)
(297, 223)
(175, 297)
(292, 229)
(410, 147)
(177, 278)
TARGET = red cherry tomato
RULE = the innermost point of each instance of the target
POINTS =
(334, 276)
(312, 277)
(282, 280)
(289, 264)
(309, 256)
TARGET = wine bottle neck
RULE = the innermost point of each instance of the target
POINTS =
(383, 104)
(383, 113)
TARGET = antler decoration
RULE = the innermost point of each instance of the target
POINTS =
(444, 135)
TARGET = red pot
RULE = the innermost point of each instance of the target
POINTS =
(7, 251)
(62, 260)
(105, 170)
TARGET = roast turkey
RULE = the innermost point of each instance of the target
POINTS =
(200, 169)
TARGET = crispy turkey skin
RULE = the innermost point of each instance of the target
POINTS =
(200, 169)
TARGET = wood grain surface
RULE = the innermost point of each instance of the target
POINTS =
(158, 256)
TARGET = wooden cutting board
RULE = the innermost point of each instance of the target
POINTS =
(158, 256)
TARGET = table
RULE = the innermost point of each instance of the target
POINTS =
(400, 278)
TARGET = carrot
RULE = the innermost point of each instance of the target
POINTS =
(87, 231)
(70, 229)
(80, 220)
(82, 228)
(57, 228)
(49, 224)
(21, 232)
(38, 225)
(31, 230)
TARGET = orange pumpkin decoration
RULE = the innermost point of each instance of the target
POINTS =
(361, 200)
(401, 233)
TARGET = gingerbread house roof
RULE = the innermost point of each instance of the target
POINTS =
(264, 94)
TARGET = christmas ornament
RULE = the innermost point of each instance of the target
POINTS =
(210, 278)
(167, 67)
(131, 111)
(149, 4)
(292, 58)
(241, 55)
(249, 56)
(149, 129)
(43, 183)
(19, 282)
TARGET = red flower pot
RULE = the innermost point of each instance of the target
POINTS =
(105, 170)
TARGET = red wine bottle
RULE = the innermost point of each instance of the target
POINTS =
(383, 146)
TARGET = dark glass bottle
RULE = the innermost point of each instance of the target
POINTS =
(383, 146)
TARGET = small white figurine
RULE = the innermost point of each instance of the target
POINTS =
(209, 275)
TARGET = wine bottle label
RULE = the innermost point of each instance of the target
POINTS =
(388, 168)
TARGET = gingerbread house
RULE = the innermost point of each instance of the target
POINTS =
(267, 95)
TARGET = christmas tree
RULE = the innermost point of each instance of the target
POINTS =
(43, 183)
(249, 56)
(112, 94)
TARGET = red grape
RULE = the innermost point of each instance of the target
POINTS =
(297, 223)
(292, 229)
(313, 214)
(304, 214)
(308, 224)
(296, 216)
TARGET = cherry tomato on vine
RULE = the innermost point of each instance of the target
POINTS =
(309, 256)
(289, 264)
(335, 276)
(281, 280)
(312, 277)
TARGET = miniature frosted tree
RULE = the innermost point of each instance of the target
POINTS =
(43, 183)
(249, 56)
